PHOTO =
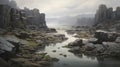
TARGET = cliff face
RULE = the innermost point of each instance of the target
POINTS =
(35, 19)
(4, 15)
(107, 18)
(12, 18)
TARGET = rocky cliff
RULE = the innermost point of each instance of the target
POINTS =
(14, 18)
(106, 18)
(35, 19)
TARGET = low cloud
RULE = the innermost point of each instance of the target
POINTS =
(58, 8)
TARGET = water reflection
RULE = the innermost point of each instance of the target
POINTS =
(68, 59)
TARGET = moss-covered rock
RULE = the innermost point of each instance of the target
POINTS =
(21, 62)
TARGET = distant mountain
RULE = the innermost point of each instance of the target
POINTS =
(68, 20)
(52, 19)
(85, 21)
(79, 20)
(86, 15)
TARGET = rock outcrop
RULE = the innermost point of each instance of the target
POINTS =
(11, 3)
(101, 13)
(117, 40)
(5, 45)
(77, 42)
(105, 36)
(13, 18)
(18, 29)
(106, 18)
(103, 44)
(35, 19)
(6, 49)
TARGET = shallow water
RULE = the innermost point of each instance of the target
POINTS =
(71, 60)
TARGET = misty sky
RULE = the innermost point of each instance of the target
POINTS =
(57, 8)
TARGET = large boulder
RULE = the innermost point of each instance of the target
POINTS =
(78, 42)
(5, 45)
(18, 43)
(99, 48)
(92, 40)
(101, 36)
(15, 41)
(112, 46)
(117, 40)
(89, 47)
(52, 30)
(104, 36)
(75, 50)
(6, 49)
(93, 49)
(22, 35)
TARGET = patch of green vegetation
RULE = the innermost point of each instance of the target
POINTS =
(30, 64)
(25, 51)
(83, 35)
(51, 39)
(47, 58)
(27, 55)
(66, 46)
(33, 43)
(29, 39)
(21, 62)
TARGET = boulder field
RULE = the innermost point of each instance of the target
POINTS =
(20, 48)
(102, 44)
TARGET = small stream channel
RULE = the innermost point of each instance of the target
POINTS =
(68, 59)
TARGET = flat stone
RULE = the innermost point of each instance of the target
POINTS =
(5, 45)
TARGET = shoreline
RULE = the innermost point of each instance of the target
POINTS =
(27, 43)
